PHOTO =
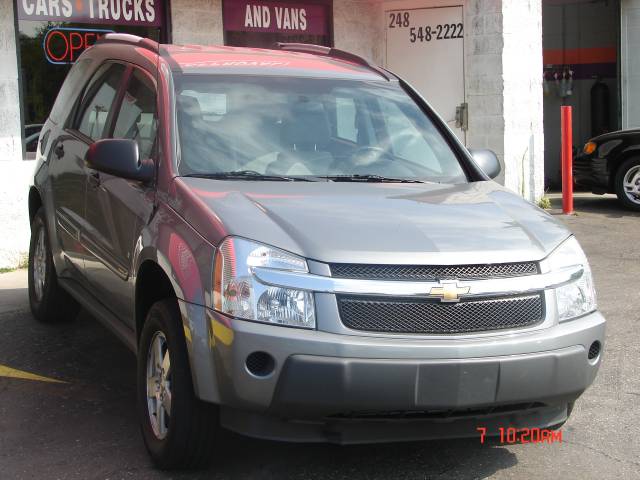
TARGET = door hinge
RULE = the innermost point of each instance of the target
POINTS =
(462, 116)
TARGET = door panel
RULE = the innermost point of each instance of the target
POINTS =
(117, 209)
(67, 165)
(67, 175)
(425, 46)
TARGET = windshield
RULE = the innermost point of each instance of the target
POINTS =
(298, 128)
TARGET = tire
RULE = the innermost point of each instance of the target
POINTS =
(191, 426)
(628, 173)
(48, 301)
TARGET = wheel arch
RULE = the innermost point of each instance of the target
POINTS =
(34, 202)
(152, 284)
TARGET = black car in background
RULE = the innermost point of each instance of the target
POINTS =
(610, 163)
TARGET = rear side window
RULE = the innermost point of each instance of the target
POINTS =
(97, 104)
(137, 119)
(69, 88)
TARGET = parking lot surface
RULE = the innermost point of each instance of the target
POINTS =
(84, 426)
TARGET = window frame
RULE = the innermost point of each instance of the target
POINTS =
(92, 84)
(117, 105)
(89, 90)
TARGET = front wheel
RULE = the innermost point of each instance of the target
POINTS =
(627, 183)
(48, 301)
(178, 429)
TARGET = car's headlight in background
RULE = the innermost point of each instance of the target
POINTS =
(239, 294)
(578, 297)
(589, 148)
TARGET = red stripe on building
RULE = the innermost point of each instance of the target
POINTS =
(578, 56)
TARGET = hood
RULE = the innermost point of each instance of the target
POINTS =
(479, 222)
(613, 135)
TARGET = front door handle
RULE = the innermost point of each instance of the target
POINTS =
(94, 179)
(59, 151)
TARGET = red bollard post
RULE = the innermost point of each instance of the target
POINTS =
(567, 160)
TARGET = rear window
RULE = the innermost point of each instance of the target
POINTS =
(308, 127)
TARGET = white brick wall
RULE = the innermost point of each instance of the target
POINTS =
(14, 216)
(522, 97)
(16, 174)
(197, 22)
(10, 128)
(503, 86)
(357, 28)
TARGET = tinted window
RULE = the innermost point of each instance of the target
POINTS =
(98, 101)
(69, 89)
(308, 127)
(137, 117)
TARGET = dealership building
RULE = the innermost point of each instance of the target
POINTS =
(497, 71)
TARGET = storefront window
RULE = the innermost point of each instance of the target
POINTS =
(53, 34)
(263, 23)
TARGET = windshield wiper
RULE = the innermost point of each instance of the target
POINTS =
(247, 175)
(370, 178)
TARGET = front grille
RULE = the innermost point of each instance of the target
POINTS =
(432, 272)
(401, 315)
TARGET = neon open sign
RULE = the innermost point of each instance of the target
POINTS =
(63, 46)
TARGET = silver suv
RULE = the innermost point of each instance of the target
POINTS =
(297, 248)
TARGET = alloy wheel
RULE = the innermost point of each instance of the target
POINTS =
(159, 385)
(39, 264)
(631, 184)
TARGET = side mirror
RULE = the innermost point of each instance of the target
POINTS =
(487, 161)
(119, 157)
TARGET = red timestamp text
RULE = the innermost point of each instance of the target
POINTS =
(512, 435)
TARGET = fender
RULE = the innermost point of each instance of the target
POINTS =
(174, 246)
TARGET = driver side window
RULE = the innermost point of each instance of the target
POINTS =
(137, 119)
(98, 102)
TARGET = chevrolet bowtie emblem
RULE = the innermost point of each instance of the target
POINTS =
(448, 292)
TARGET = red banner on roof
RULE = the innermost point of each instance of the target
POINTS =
(276, 17)
(147, 13)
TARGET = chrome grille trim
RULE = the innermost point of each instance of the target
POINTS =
(496, 287)
(432, 272)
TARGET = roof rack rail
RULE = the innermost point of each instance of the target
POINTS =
(333, 53)
(128, 39)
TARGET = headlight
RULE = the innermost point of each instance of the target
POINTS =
(579, 297)
(239, 294)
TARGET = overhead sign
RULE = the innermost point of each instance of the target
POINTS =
(275, 17)
(146, 13)
(64, 45)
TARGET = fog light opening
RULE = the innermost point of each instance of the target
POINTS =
(260, 364)
(594, 350)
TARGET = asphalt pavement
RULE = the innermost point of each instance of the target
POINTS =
(67, 399)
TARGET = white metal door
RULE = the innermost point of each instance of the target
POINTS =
(425, 46)
(630, 73)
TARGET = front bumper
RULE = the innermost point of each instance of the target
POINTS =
(331, 387)
(593, 172)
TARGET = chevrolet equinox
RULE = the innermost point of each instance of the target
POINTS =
(297, 248)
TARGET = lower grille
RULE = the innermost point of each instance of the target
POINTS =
(437, 414)
(399, 315)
